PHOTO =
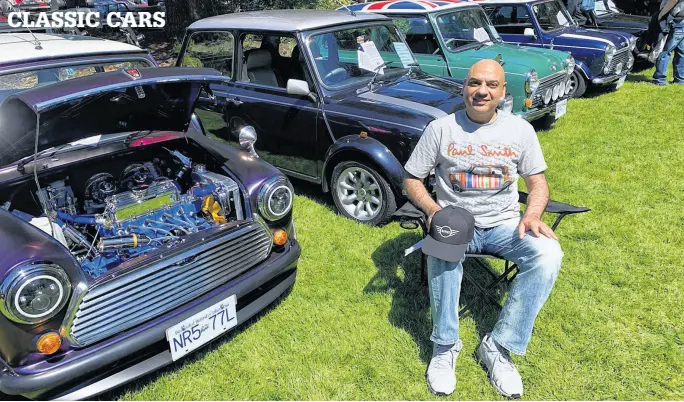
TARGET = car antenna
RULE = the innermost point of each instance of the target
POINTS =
(35, 42)
(350, 11)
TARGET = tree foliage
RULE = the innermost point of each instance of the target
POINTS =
(181, 13)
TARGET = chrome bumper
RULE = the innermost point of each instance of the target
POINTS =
(608, 80)
(539, 113)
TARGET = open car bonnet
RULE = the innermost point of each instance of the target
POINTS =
(106, 103)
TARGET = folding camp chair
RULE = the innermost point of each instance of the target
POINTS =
(411, 218)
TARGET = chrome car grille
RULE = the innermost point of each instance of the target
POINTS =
(121, 303)
(622, 56)
(548, 82)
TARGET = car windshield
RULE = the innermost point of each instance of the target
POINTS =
(551, 15)
(347, 57)
(463, 28)
(17, 82)
(605, 7)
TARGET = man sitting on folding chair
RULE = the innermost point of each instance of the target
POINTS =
(478, 154)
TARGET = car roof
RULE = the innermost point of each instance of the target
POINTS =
(20, 47)
(284, 20)
(409, 6)
(507, 1)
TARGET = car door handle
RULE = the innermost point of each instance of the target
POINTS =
(234, 101)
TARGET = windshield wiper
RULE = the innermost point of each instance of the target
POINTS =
(52, 150)
(132, 136)
(410, 67)
(376, 70)
(482, 44)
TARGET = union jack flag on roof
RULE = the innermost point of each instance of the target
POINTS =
(403, 5)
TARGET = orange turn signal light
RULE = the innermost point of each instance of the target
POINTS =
(528, 102)
(279, 237)
(49, 343)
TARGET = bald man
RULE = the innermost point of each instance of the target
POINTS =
(477, 155)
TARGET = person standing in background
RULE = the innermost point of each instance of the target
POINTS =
(671, 18)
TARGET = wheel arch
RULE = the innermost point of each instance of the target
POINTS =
(367, 151)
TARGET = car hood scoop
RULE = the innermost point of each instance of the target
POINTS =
(121, 101)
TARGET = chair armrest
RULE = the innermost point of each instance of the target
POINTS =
(411, 217)
(555, 207)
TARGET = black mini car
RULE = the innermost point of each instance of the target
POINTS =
(337, 98)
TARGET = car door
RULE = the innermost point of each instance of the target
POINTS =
(514, 24)
(421, 39)
(212, 49)
(286, 125)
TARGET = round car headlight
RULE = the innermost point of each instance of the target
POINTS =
(618, 68)
(568, 87)
(556, 92)
(630, 62)
(561, 92)
(632, 42)
(34, 293)
(507, 104)
(547, 96)
(608, 57)
(531, 81)
(275, 198)
(570, 67)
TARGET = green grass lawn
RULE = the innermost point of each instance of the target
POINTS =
(356, 324)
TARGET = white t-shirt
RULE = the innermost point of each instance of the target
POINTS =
(477, 165)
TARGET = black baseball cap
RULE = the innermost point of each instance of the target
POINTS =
(451, 229)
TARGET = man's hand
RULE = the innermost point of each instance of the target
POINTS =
(420, 196)
(537, 199)
(432, 213)
(536, 226)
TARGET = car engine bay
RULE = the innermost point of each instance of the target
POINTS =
(141, 202)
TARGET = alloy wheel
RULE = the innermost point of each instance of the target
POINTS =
(359, 193)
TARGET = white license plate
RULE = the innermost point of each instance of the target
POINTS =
(620, 82)
(561, 108)
(201, 328)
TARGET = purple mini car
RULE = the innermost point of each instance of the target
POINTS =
(128, 238)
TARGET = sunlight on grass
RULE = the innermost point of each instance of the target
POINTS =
(356, 325)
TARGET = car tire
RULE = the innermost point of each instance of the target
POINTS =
(579, 85)
(361, 193)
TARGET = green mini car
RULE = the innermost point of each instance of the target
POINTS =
(448, 36)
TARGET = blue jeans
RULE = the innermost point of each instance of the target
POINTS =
(675, 41)
(539, 260)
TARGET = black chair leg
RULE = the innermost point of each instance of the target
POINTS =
(485, 292)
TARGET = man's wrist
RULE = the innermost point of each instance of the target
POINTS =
(533, 215)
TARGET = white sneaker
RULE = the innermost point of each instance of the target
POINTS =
(502, 372)
(440, 375)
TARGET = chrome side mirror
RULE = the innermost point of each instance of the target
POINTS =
(247, 139)
(300, 88)
(529, 32)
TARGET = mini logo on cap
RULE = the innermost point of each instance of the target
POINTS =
(132, 72)
(446, 231)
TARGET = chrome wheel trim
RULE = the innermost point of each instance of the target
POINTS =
(359, 193)
(573, 84)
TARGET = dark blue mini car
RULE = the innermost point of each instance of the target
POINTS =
(601, 57)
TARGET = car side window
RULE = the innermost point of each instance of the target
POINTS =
(419, 34)
(212, 49)
(267, 59)
(123, 8)
(510, 19)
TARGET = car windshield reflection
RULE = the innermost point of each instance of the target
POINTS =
(551, 15)
(463, 28)
(350, 57)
